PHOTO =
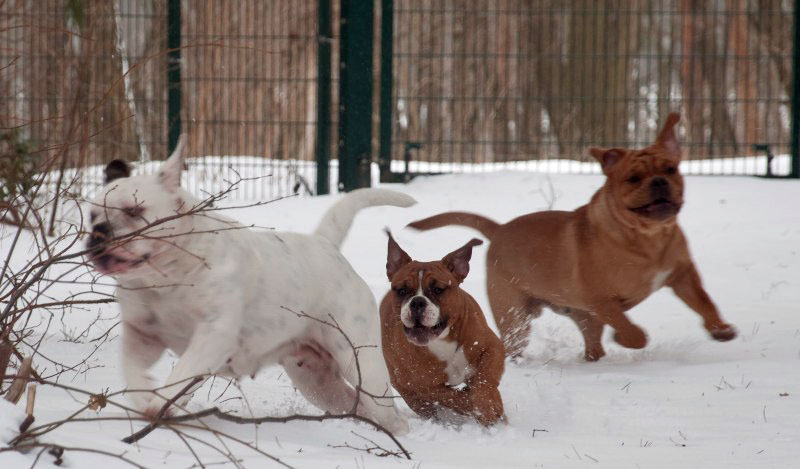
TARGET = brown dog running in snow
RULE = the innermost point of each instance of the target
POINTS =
(435, 338)
(597, 262)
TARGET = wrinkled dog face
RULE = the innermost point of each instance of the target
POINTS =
(128, 204)
(646, 182)
(421, 290)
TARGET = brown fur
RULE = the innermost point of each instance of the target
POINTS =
(595, 263)
(419, 375)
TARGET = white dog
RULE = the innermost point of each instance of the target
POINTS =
(222, 296)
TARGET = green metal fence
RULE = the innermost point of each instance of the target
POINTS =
(86, 82)
(83, 81)
(249, 81)
(489, 84)
(451, 85)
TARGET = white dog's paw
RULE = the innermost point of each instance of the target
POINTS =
(139, 399)
(400, 426)
(155, 405)
(397, 425)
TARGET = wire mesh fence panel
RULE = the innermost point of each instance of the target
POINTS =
(83, 83)
(249, 82)
(485, 84)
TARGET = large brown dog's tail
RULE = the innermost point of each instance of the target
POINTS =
(484, 225)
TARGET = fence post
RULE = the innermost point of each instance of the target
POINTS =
(385, 126)
(795, 129)
(324, 39)
(173, 74)
(355, 94)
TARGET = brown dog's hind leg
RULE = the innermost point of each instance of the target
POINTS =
(626, 333)
(590, 327)
(513, 311)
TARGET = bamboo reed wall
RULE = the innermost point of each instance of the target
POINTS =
(516, 80)
(475, 81)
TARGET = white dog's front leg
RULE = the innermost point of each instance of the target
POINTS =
(212, 344)
(139, 352)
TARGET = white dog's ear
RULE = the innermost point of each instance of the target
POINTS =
(117, 169)
(170, 172)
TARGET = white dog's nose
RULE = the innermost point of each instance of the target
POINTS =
(101, 233)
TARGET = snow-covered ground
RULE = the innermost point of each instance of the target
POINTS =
(684, 401)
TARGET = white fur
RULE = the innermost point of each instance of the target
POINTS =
(659, 279)
(216, 296)
(456, 365)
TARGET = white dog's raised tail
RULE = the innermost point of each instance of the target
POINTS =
(337, 220)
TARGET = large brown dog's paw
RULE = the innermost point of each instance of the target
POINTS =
(633, 337)
(723, 332)
(594, 354)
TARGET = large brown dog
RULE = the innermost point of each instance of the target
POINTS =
(596, 262)
(435, 338)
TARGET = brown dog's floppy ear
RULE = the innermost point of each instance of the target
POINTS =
(607, 157)
(396, 258)
(116, 169)
(667, 137)
(458, 260)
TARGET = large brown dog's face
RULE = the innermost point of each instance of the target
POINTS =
(645, 184)
(421, 291)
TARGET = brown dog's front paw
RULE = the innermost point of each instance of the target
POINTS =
(631, 338)
(487, 409)
(489, 415)
(723, 332)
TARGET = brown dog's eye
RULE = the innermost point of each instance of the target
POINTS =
(133, 212)
(438, 290)
(634, 179)
(671, 170)
(402, 291)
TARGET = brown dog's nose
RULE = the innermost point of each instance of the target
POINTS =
(101, 233)
(417, 306)
(659, 188)
(659, 181)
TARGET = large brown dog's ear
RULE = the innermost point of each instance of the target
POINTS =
(607, 157)
(667, 137)
(170, 172)
(116, 169)
(396, 258)
(458, 260)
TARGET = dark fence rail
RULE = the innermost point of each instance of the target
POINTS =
(535, 82)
